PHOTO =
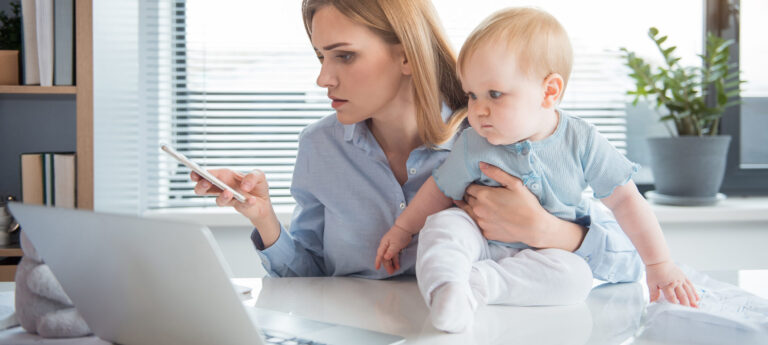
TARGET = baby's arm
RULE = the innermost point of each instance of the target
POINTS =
(639, 222)
(428, 200)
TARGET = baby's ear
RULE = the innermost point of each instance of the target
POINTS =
(553, 90)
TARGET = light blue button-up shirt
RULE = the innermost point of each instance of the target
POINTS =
(347, 198)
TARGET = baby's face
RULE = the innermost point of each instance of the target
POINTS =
(504, 101)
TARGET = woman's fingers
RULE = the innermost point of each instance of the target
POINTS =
(225, 198)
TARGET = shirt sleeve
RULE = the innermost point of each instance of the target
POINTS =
(605, 168)
(606, 249)
(297, 252)
(454, 175)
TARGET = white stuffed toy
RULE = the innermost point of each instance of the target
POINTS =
(42, 307)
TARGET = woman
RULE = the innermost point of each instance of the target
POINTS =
(391, 76)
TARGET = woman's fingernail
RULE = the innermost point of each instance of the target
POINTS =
(483, 165)
(247, 186)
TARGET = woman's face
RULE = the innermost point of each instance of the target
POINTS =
(363, 74)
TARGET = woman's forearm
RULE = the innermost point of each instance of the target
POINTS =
(268, 228)
(557, 233)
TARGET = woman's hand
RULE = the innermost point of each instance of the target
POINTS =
(511, 213)
(257, 206)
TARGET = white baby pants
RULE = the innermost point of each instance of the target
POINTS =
(451, 246)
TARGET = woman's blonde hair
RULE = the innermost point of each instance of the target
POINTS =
(535, 37)
(415, 25)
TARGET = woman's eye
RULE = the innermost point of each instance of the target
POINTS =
(344, 57)
(494, 94)
(320, 58)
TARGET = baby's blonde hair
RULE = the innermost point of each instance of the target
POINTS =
(535, 37)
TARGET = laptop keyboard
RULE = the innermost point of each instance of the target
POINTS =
(274, 337)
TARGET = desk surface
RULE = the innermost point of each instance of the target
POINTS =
(611, 315)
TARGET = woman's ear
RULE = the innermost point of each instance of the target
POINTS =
(399, 54)
(553, 90)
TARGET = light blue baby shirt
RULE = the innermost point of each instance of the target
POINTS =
(347, 197)
(556, 169)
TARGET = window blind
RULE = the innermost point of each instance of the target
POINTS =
(237, 106)
(228, 99)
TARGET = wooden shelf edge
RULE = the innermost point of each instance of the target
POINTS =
(10, 251)
(36, 89)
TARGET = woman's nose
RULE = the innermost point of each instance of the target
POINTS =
(326, 78)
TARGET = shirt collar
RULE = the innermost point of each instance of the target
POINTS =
(356, 133)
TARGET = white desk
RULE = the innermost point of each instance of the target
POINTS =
(611, 314)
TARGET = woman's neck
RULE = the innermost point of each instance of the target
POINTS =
(395, 127)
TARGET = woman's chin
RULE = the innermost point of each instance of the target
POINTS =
(347, 119)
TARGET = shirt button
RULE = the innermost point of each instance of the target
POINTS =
(525, 151)
(412, 171)
(535, 186)
(586, 258)
(402, 205)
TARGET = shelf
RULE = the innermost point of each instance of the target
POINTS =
(10, 251)
(35, 89)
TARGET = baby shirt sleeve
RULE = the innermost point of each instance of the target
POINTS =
(605, 168)
(455, 174)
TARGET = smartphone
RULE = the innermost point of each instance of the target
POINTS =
(200, 171)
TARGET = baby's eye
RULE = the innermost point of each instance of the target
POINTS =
(471, 96)
(494, 94)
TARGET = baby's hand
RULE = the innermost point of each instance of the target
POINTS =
(389, 248)
(667, 278)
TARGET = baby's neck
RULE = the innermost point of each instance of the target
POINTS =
(549, 118)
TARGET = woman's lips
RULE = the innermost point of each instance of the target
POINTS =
(337, 103)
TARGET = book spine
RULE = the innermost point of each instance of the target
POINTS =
(63, 36)
(31, 66)
(44, 13)
(48, 179)
(32, 191)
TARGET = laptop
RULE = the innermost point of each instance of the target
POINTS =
(146, 281)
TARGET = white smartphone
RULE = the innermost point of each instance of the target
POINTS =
(200, 171)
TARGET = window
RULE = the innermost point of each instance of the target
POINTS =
(743, 21)
(231, 84)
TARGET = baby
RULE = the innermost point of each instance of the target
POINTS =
(514, 69)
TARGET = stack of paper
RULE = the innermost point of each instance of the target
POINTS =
(726, 315)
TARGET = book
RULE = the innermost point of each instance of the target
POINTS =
(32, 190)
(64, 180)
(49, 179)
(44, 13)
(31, 67)
(63, 41)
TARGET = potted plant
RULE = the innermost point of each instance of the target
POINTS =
(10, 44)
(688, 167)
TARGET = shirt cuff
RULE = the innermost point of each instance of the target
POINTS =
(279, 253)
(593, 241)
